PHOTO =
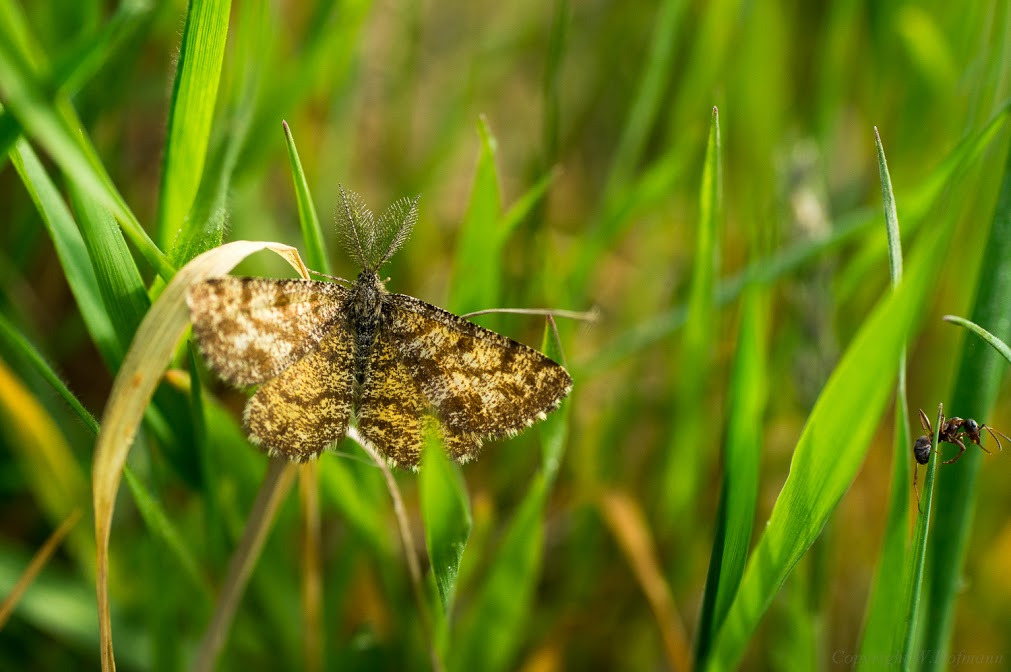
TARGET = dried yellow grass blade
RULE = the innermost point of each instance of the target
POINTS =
(35, 566)
(625, 520)
(145, 362)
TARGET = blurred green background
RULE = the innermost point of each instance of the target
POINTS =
(564, 159)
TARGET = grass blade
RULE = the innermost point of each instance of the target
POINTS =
(886, 623)
(488, 638)
(123, 291)
(909, 608)
(42, 454)
(820, 473)
(71, 251)
(975, 390)
(554, 430)
(23, 96)
(312, 234)
(35, 566)
(477, 271)
(445, 509)
(276, 484)
(161, 528)
(735, 516)
(191, 111)
(15, 342)
(627, 523)
(998, 345)
(152, 348)
(684, 465)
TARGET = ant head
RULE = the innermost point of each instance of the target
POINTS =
(971, 426)
(921, 449)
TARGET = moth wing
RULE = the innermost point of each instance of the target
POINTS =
(480, 384)
(251, 329)
(307, 408)
(392, 412)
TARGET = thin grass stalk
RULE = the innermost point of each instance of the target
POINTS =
(919, 549)
(410, 550)
(312, 575)
(39, 561)
(276, 483)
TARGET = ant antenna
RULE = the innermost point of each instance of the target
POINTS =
(994, 435)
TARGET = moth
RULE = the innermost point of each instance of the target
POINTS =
(325, 355)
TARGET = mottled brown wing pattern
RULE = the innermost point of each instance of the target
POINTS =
(252, 329)
(392, 412)
(307, 408)
(479, 384)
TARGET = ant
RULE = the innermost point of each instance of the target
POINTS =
(951, 431)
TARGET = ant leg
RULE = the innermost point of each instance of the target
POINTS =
(961, 449)
(925, 423)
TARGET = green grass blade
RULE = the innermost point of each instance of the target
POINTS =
(23, 97)
(162, 529)
(71, 251)
(445, 509)
(735, 517)
(206, 220)
(886, 624)
(191, 111)
(918, 204)
(123, 291)
(908, 610)
(14, 342)
(554, 431)
(998, 345)
(684, 459)
(477, 271)
(489, 637)
(312, 234)
(821, 472)
(975, 389)
(80, 63)
(648, 96)
(341, 486)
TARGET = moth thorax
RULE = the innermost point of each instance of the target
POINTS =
(367, 297)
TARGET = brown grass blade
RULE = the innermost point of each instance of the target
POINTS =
(35, 566)
(625, 520)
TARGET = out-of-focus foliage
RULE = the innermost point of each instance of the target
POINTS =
(567, 157)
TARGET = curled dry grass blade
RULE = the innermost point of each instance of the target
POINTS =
(36, 565)
(142, 369)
